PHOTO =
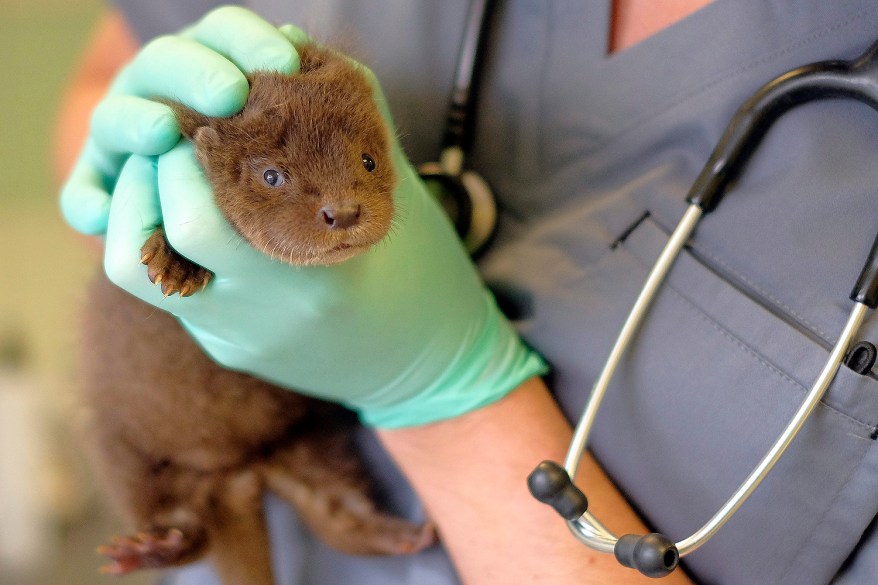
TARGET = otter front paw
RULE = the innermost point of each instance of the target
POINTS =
(166, 267)
(151, 549)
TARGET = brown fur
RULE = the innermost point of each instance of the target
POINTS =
(185, 448)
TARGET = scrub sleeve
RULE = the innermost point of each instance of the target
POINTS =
(591, 156)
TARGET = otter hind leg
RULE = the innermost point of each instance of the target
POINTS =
(153, 547)
(324, 481)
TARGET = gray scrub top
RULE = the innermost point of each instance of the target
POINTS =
(578, 145)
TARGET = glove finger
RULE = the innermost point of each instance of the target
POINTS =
(185, 70)
(85, 204)
(294, 34)
(135, 125)
(85, 196)
(134, 216)
(245, 39)
(120, 125)
(193, 223)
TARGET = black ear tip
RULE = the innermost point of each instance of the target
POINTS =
(654, 555)
(550, 484)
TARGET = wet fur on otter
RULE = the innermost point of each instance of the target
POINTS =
(185, 448)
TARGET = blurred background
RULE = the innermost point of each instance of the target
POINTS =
(50, 519)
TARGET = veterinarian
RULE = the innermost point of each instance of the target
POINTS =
(594, 118)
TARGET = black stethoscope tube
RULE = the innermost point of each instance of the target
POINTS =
(655, 555)
(460, 126)
(465, 196)
(857, 79)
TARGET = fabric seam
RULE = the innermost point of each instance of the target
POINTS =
(817, 524)
(736, 72)
(752, 351)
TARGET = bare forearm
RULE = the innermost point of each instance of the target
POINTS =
(471, 471)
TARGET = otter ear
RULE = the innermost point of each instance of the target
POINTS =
(205, 136)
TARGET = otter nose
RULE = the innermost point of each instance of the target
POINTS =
(339, 217)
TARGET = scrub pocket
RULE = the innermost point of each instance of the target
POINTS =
(709, 384)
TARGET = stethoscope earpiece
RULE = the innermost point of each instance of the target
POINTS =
(654, 555)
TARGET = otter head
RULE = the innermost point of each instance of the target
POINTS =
(304, 172)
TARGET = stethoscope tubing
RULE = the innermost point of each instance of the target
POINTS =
(597, 536)
(592, 532)
(655, 555)
(460, 125)
(641, 307)
(854, 321)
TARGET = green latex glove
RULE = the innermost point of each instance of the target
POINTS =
(406, 333)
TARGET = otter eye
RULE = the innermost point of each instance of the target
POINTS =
(368, 162)
(273, 178)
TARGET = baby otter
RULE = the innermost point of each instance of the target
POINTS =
(185, 448)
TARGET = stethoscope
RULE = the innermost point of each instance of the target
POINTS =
(655, 555)
(469, 202)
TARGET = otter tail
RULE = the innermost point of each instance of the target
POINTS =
(239, 543)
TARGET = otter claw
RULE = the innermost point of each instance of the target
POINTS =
(173, 272)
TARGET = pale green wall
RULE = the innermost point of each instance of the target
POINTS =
(43, 265)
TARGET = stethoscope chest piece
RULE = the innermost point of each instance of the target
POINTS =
(655, 555)
(466, 198)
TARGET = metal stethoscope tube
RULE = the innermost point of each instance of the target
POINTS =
(655, 555)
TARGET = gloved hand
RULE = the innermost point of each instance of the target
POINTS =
(204, 67)
(405, 334)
